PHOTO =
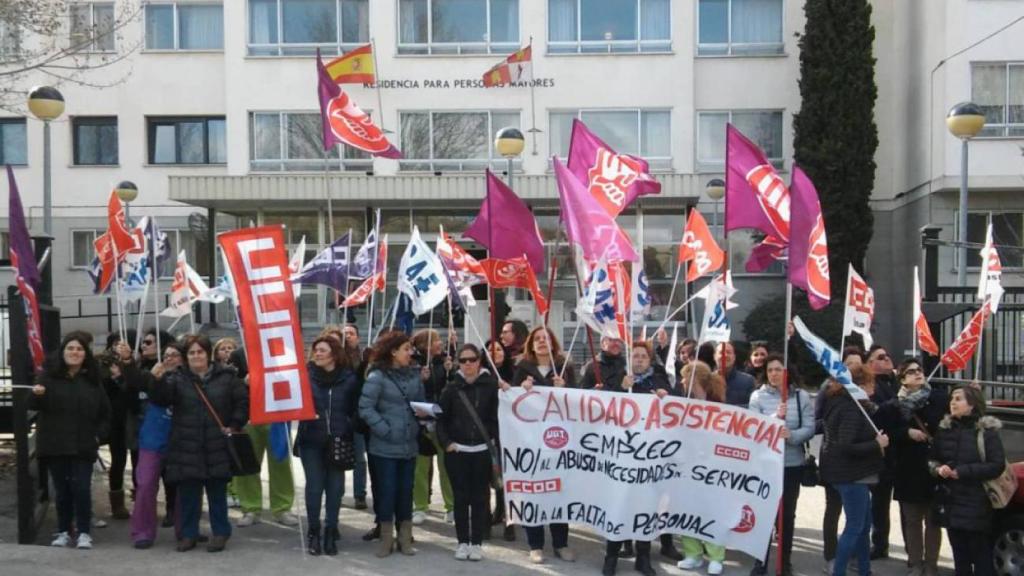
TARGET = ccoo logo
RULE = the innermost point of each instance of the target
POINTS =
(556, 438)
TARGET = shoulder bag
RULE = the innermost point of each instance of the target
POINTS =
(242, 455)
(1000, 490)
(496, 479)
(341, 450)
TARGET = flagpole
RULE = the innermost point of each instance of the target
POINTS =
(376, 82)
(156, 287)
(552, 273)
(348, 266)
(121, 330)
(568, 353)
(846, 300)
(981, 336)
(430, 336)
(330, 226)
(140, 322)
(384, 292)
(785, 398)
(590, 336)
(373, 292)
(672, 292)
(533, 103)
(913, 320)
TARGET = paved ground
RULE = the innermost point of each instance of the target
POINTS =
(272, 549)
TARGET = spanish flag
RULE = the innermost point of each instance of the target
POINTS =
(355, 67)
(511, 69)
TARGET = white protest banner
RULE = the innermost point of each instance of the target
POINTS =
(634, 466)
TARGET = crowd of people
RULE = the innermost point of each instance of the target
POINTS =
(172, 405)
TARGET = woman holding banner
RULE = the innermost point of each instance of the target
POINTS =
(699, 381)
(391, 385)
(204, 396)
(851, 461)
(543, 365)
(797, 410)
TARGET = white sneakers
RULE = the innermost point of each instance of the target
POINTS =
(715, 568)
(248, 519)
(476, 554)
(84, 542)
(462, 551)
(537, 556)
(63, 540)
(690, 563)
(286, 518)
(419, 517)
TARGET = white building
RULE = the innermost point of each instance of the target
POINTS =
(216, 109)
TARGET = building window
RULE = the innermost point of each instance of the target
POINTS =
(283, 141)
(92, 26)
(762, 127)
(95, 140)
(1007, 230)
(458, 26)
(184, 26)
(13, 146)
(10, 40)
(187, 140)
(739, 27)
(289, 27)
(82, 251)
(998, 88)
(452, 140)
(644, 133)
(609, 26)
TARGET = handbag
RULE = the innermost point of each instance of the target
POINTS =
(1000, 490)
(809, 475)
(242, 456)
(341, 450)
(497, 482)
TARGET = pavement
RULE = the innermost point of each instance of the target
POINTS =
(269, 548)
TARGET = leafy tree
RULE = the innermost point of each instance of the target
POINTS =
(835, 134)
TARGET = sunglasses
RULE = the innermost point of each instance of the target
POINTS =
(468, 359)
(913, 371)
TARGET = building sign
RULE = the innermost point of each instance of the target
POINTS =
(450, 83)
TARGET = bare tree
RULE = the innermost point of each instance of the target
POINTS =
(61, 42)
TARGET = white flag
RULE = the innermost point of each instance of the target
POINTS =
(860, 307)
(640, 297)
(420, 276)
(296, 264)
(730, 290)
(990, 280)
(716, 326)
(670, 358)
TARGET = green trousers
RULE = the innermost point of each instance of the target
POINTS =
(421, 481)
(694, 548)
(250, 488)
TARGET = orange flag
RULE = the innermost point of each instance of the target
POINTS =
(699, 246)
(924, 334)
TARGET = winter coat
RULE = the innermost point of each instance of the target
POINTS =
(527, 368)
(956, 445)
(651, 381)
(849, 452)
(335, 397)
(455, 423)
(738, 388)
(613, 369)
(198, 448)
(912, 479)
(394, 429)
(799, 417)
(74, 416)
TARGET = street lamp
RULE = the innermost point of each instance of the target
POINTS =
(46, 104)
(716, 191)
(964, 121)
(509, 142)
(127, 191)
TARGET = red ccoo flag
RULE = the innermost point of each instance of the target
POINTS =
(514, 273)
(923, 332)
(959, 354)
(699, 246)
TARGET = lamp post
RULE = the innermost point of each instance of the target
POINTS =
(715, 189)
(127, 191)
(509, 142)
(46, 104)
(964, 121)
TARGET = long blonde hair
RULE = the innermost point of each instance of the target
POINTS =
(710, 382)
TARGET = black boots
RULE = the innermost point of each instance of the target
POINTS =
(627, 550)
(609, 565)
(668, 548)
(372, 534)
(643, 564)
(313, 541)
(331, 536)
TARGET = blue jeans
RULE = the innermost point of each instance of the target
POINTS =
(190, 499)
(321, 478)
(72, 478)
(855, 540)
(359, 474)
(393, 489)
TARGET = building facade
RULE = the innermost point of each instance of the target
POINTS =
(213, 113)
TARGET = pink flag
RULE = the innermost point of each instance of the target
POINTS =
(808, 249)
(505, 226)
(614, 180)
(764, 254)
(756, 197)
(587, 223)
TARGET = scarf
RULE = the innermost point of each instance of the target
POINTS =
(913, 400)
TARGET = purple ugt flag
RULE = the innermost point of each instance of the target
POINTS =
(344, 122)
(505, 226)
(20, 241)
(808, 248)
(329, 267)
(755, 196)
(587, 223)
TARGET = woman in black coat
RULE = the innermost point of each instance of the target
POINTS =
(197, 452)
(335, 396)
(957, 459)
(921, 409)
(74, 419)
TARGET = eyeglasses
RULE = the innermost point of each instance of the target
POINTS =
(467, 360)
(909, 371)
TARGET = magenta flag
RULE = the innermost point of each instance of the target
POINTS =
(614, 180)
(808, 247)
(505, 226)
(587, 223)
(344, 122)
(27, 277)
(765, 254)
(755, 195)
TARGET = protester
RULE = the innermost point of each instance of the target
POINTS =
(73, 421)
(700, 382)
(472, 397)
(922, 408)
(612, 367)
(334, 389)
(797, 411)
(505, 374)
(223, 349)
(497, 353)
(526, 376)
(756, 363)
(851, 460)
(197, 453)
(880, 364)
(352, 348)
(384, 405)
(513, 338)
(153, 436)
(961, 465)
(249, 488)
(738, 385)
(435, 368)
(123, 418)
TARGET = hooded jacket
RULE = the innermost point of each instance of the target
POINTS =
(956, 445)
(849, 452)
(74, 416)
